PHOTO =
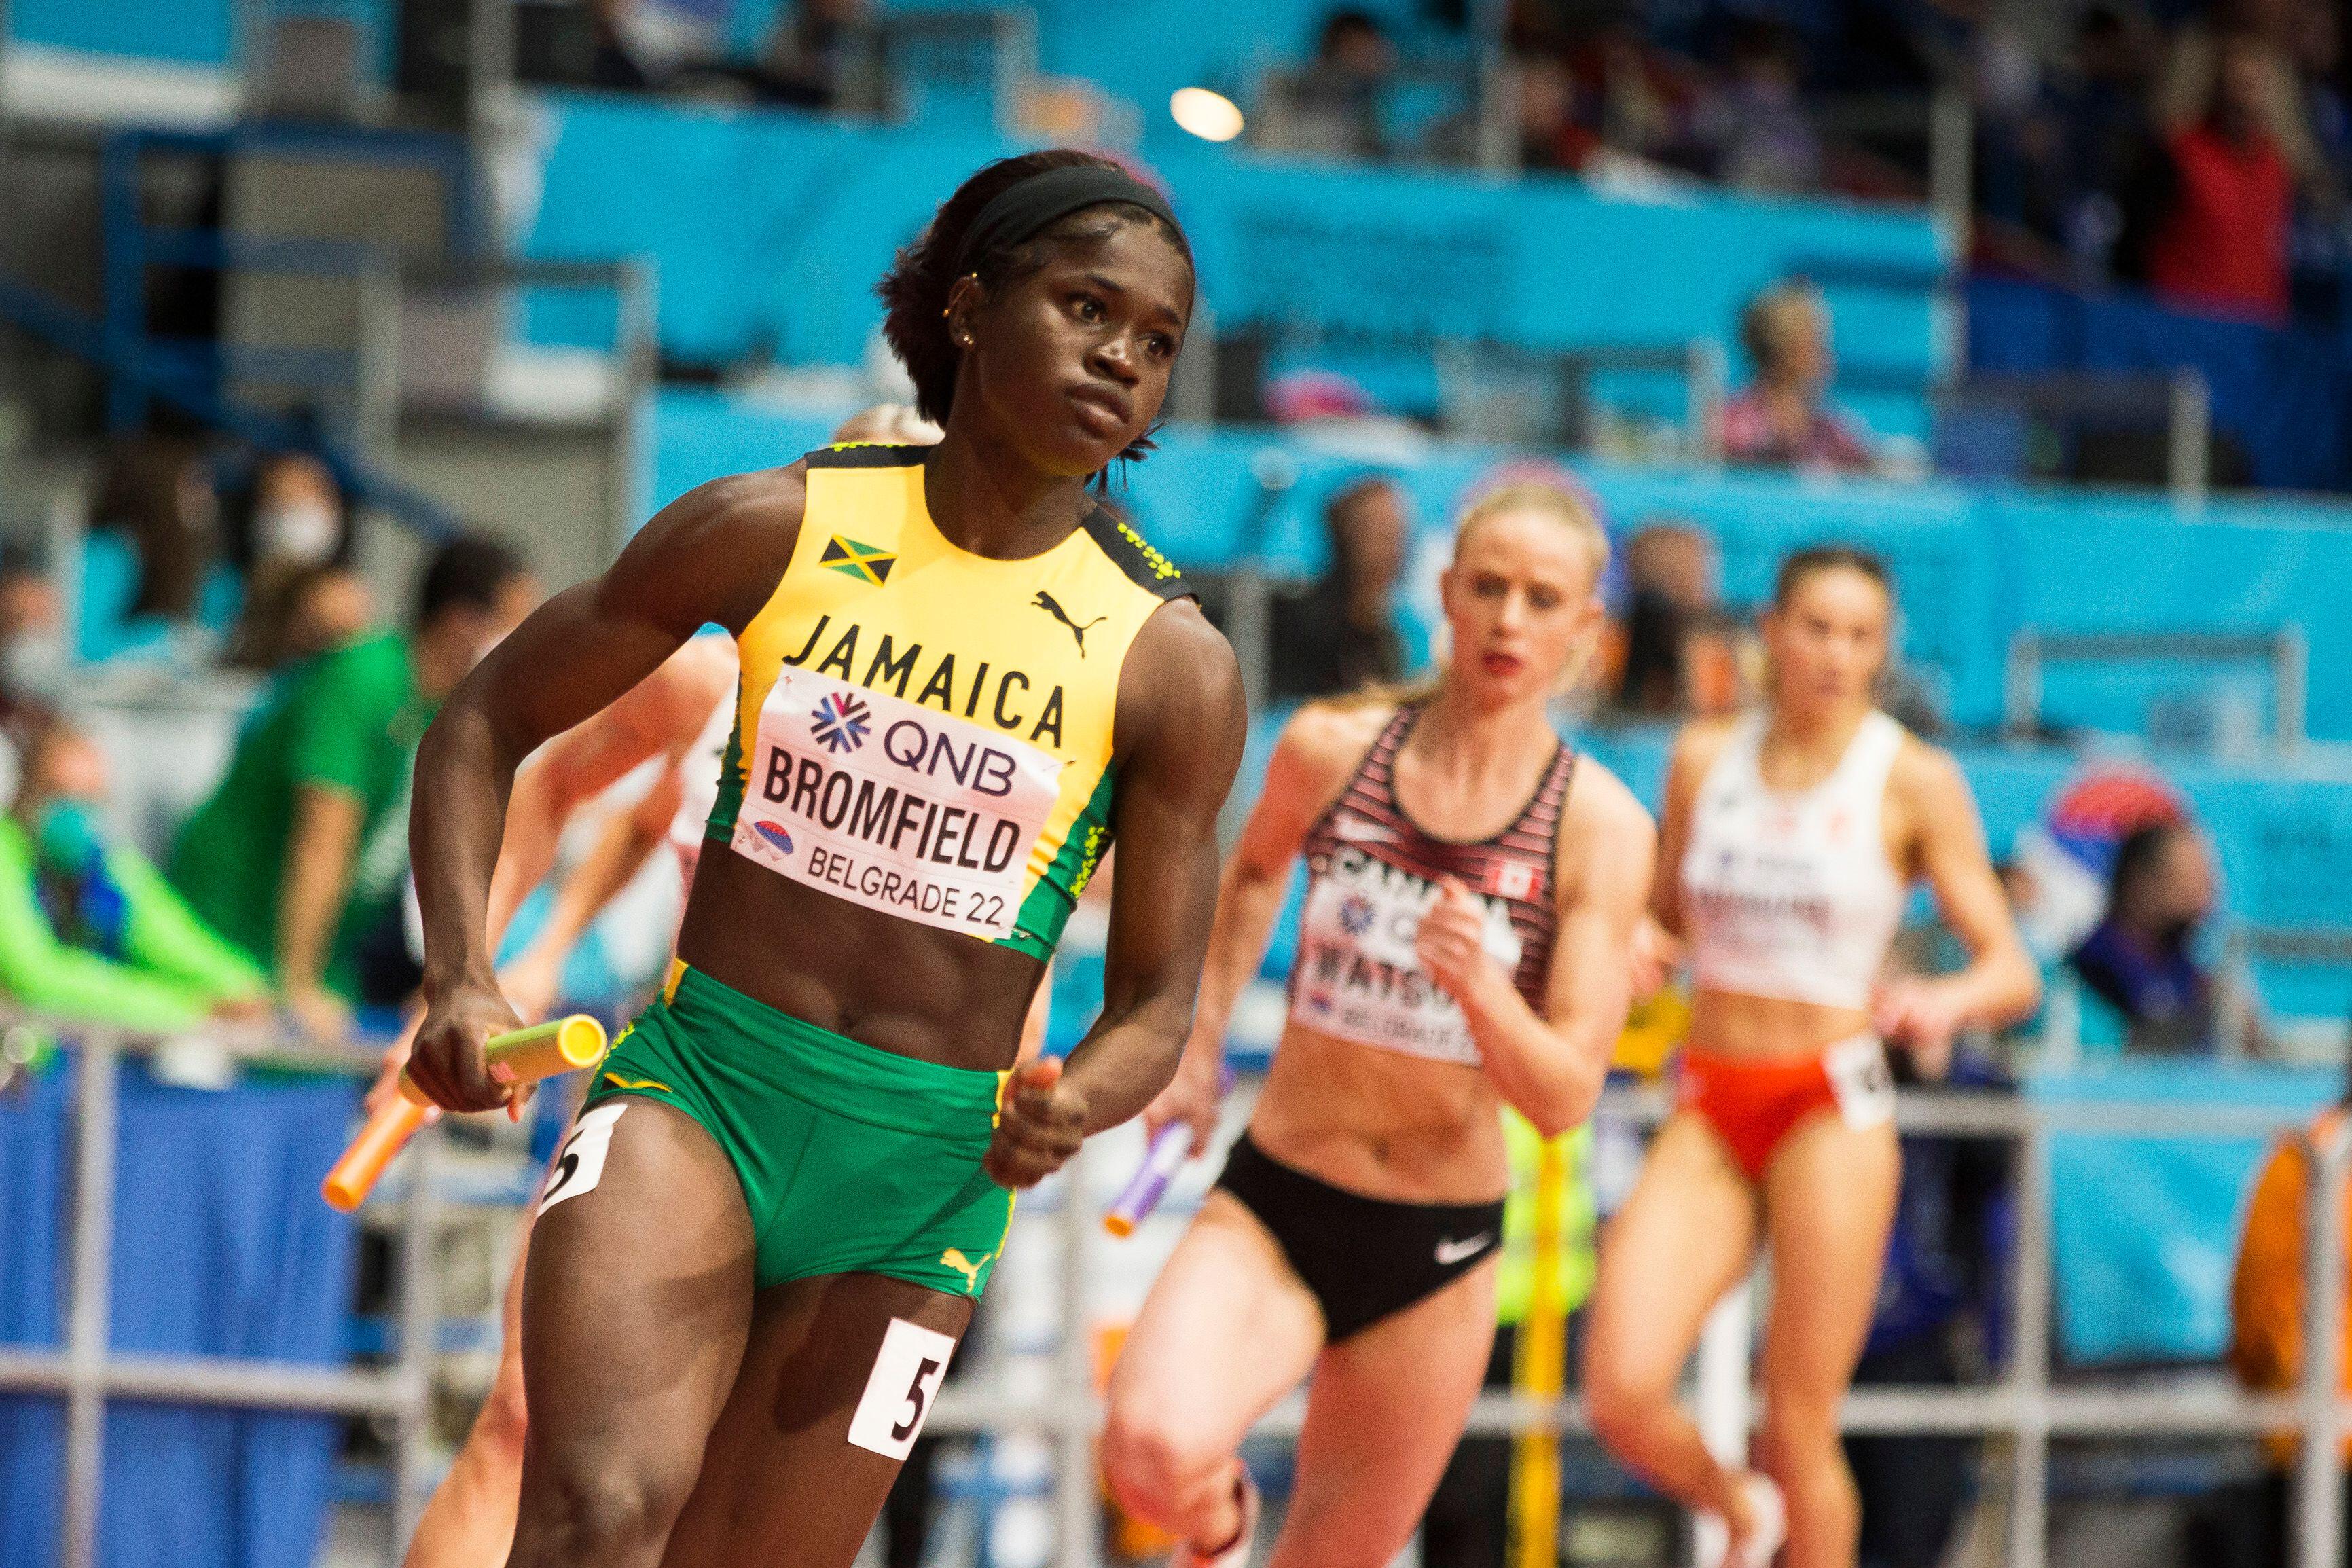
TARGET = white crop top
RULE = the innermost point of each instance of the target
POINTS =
(1791, 895)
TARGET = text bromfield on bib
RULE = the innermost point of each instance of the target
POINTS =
(894, 807)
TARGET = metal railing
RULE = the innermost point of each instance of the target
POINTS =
(2285, 649)
(2022, 1405)
(2179, 402)
(89, 1374)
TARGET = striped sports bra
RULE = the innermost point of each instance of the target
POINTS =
(1373, 873)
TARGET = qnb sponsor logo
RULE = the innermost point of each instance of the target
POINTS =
(887, 816)
(1356, 914)
(937, 755)
(839, 721)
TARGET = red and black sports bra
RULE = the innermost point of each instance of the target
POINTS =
(1373, 873)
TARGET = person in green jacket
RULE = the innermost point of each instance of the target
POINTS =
(300, 855)
(88, 928)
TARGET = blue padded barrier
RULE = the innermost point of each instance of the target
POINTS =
(221, 1247)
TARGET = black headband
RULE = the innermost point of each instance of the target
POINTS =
(1023, 210)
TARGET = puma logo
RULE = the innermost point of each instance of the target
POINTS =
(1053, 607)
(953, 1258)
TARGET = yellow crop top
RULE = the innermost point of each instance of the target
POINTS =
(925, 731)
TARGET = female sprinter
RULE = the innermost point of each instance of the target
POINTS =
(1474, 889)
(958, 679)
(1791, 839)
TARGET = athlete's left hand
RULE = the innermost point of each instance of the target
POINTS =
(1452, 943)
(1920, 1015)
(1039, 1126)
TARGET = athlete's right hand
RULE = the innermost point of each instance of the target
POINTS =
(1657, 953)
(1191, 1097)
(447, 1061)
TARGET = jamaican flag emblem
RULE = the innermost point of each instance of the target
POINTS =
(863, 563)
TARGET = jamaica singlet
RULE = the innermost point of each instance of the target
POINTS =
(926, 732)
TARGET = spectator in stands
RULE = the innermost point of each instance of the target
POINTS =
(88, 928)
(2140, 958)
(1756, 127)
(1550, 135)
(298, 856)
(824, 54)
(2100, 109)
(295, 614)
(1782, 417)
(1341, 632)
(2216, 197)
(150, 564)
(1676, 655)
(1333, 106)
(2267, 1309)
(33, 650)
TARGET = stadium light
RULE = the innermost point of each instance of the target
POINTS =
(1211, 116)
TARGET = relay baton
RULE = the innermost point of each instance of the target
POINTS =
(519, 1056)
(1171, 1146)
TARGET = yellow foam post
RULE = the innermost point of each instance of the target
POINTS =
(1538, 1371)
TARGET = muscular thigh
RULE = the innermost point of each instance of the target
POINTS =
(1226, 1287)
(635, 1297)
(800, 1459)
(1829, 1204)
(1383, 1417)
(1685, 1236)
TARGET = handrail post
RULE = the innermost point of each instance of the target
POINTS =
(86, 1331)
(2021, 688)
(2290, 682)
(2029, 1514)
(420, 1326)
(2319, 1493)
(2189, 444)
(1078, 1522)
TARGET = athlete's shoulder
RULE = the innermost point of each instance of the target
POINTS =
(865, 455)
(1926, 773)
(1138, 558)
(714, 554)
(1696, 747)
(1599, 800)
(1327, 739)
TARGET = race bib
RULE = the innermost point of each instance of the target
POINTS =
(899, 1390)
(895, 807)
(1358, 977)
(1863, 1082)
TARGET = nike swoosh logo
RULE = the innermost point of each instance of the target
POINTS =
(1450, 1252)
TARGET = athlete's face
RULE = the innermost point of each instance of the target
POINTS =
(1828, 643)
(1520, 601)
(1072, 363)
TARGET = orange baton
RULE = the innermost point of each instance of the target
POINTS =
(519, 1056)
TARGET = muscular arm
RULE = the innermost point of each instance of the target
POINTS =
(1309, 767)
(2000, 984)
(711, 555)
(1551, 1067)
(1180, 702)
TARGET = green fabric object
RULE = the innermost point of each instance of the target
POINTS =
(853, 1160)
(43, 972)
(346, 720)
(1514, 1277)
(166, 937)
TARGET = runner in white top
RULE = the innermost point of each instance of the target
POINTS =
(1790, 841)
(1467, 941)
